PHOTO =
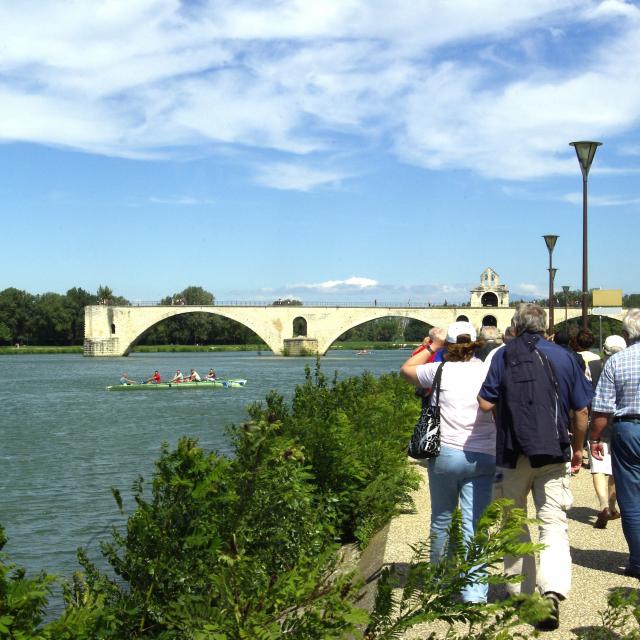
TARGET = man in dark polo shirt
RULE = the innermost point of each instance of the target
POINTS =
(540, 396)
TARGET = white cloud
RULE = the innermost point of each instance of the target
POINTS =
(151, 77)
(296, 177)
(530, 289)
(354, 282)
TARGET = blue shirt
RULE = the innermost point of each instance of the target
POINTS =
(575, 390)
(618, 389)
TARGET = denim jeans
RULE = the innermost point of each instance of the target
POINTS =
(625, 460)
(464, 478)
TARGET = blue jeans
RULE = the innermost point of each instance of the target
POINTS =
(625, 461)
(464, 478)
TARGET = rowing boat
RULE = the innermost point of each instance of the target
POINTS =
(203, 384)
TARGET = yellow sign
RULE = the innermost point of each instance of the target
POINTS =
(607, 297)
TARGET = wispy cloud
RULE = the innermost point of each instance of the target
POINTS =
(150, 78)
(600, 201)
(297, 176)
(354, 282)
(529, 289)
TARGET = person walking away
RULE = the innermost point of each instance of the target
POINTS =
(463, 472)
(584, 341)
(534, 385)
(601, 472)
(491, 338)
(618, 397)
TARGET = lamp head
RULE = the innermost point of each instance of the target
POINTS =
(550, 242)
(585, 150)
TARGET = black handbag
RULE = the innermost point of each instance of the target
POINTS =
(425, 441)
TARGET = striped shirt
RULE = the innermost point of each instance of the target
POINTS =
(618, 389)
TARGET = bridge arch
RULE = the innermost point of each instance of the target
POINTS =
(489, 321)
(489, 299)
(126, 325)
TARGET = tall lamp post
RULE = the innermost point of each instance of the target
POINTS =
(586, 151)
(550, 241)
(565, 289)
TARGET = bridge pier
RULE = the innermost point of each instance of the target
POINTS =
(300, 347)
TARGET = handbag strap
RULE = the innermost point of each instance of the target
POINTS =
(436, 383)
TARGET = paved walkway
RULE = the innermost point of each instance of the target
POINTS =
(599, 555)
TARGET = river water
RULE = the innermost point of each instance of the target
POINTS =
(65, 440)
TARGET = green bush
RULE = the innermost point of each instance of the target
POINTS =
(354, 435)
(22, 600)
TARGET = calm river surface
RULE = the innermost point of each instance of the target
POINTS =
(65, 440)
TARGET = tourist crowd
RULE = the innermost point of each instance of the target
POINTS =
(519, 414)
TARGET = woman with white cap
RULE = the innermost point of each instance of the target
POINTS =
(463, 473)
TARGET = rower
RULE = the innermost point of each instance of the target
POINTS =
(124, 379)
(194, 377)
(178, 377)
(211, 375)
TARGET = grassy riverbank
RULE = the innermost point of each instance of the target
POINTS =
(179, 348)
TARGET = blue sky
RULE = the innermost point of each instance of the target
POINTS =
(338, 150)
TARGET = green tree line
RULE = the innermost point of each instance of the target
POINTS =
(54, 319)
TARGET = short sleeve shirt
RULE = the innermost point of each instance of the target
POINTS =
(462, 424)
(618, 390)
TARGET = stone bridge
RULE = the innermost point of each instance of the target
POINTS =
(113, 331)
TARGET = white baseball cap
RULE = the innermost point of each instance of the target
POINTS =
(460, 328)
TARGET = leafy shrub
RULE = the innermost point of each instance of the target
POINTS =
(22, 600)
(354, 435)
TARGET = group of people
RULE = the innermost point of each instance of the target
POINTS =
(178, 377)
(515, 412)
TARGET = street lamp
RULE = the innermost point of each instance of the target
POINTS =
(585, 150)
(565, 288)
(550, 241)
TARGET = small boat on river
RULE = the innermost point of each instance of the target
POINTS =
(363, 352)
(203, 384)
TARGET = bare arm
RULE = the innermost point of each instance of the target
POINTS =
(485, 405)
(408, 369)
(598, 424)
(580, 423)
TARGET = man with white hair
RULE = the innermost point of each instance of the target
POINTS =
(618, 396)
(540, 395)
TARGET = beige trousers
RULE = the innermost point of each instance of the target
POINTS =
(550, 487)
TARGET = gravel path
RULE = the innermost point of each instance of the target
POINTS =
(599, 555)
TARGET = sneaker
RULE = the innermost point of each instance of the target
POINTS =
(552, 621)
(602, 519)
(631, 573)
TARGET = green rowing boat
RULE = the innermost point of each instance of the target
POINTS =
(203, 384)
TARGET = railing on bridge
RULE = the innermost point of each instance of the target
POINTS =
(336, 305)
